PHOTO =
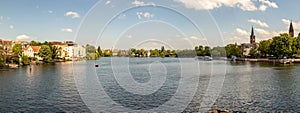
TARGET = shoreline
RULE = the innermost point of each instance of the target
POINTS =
(268, 60)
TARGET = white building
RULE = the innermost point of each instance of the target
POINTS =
(32, 52)
(75, 51)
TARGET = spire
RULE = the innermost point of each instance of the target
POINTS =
(291, 29)
(252, 37)
(252, 32)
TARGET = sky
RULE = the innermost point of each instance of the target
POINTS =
(148, 24)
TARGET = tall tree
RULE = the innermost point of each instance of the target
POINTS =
(233, 50)
(264, 47)
(99, 51)
(45, 53)
(54, 51)
(207, 51)
(282, 45)
(17, 49)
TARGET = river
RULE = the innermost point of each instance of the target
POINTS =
(151, 84)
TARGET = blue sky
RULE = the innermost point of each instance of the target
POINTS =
(149, 24)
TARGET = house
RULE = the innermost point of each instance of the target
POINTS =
(32, 52)
(74, 51)
(7, 46)
(62, 52)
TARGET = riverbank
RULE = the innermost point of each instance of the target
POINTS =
(269, 60)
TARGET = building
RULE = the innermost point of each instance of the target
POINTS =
(291, 30)
(74, 51)
(32, 52)
(252, 37)
(246, 47)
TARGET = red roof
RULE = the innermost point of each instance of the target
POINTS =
(34, 48)
(56, 43)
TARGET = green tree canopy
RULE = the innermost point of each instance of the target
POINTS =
(45, 53)
(264, 47)
(233, 50)
(282, 45)
(17, 49)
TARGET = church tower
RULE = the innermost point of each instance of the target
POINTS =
(291, 30)
(252, 37)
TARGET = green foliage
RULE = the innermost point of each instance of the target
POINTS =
(25, 60)
(264, 47)
(99, 52)
(1, 59)
(203, 51)
(90, 49)
(17, 49)
(254, 52)
(34, 43)
(154, 53)
(45, 53)
(186, 53)
(54, 51)
(233, 50)
(283, 45)
(218, 51)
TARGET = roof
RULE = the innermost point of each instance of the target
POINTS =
(6, 42)
(56, 43)
(34, 48)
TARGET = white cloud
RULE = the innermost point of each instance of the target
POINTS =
(50, 11)
(285, 21)
(67, 30)
(72, 14)
(22, 37)
(258, 22)
(11, 27)
(241, 32)
(141, 3)
(1, 17)
(107, 2)
(269, 3)
(236, 39)
(194, 38)
(263, 8)
(146, 15)
(246, 5)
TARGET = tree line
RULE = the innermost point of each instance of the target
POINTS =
(277, 47)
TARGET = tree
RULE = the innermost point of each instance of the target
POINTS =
(90, 49)
(54, 51)
(34, 43)
(264, 47)
(218, 51)
(253, 52)
(25, 60)
(233, 50)
(45, 53)
(206, 51)
(162, 51)
(1, 59)
(99, 51)
(283, 46)
(17, 49)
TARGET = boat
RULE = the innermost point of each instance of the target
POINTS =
(205, 58)
(285, 61)
(208, 58)
(13, 66)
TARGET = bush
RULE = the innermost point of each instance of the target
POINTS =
(25, 60)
